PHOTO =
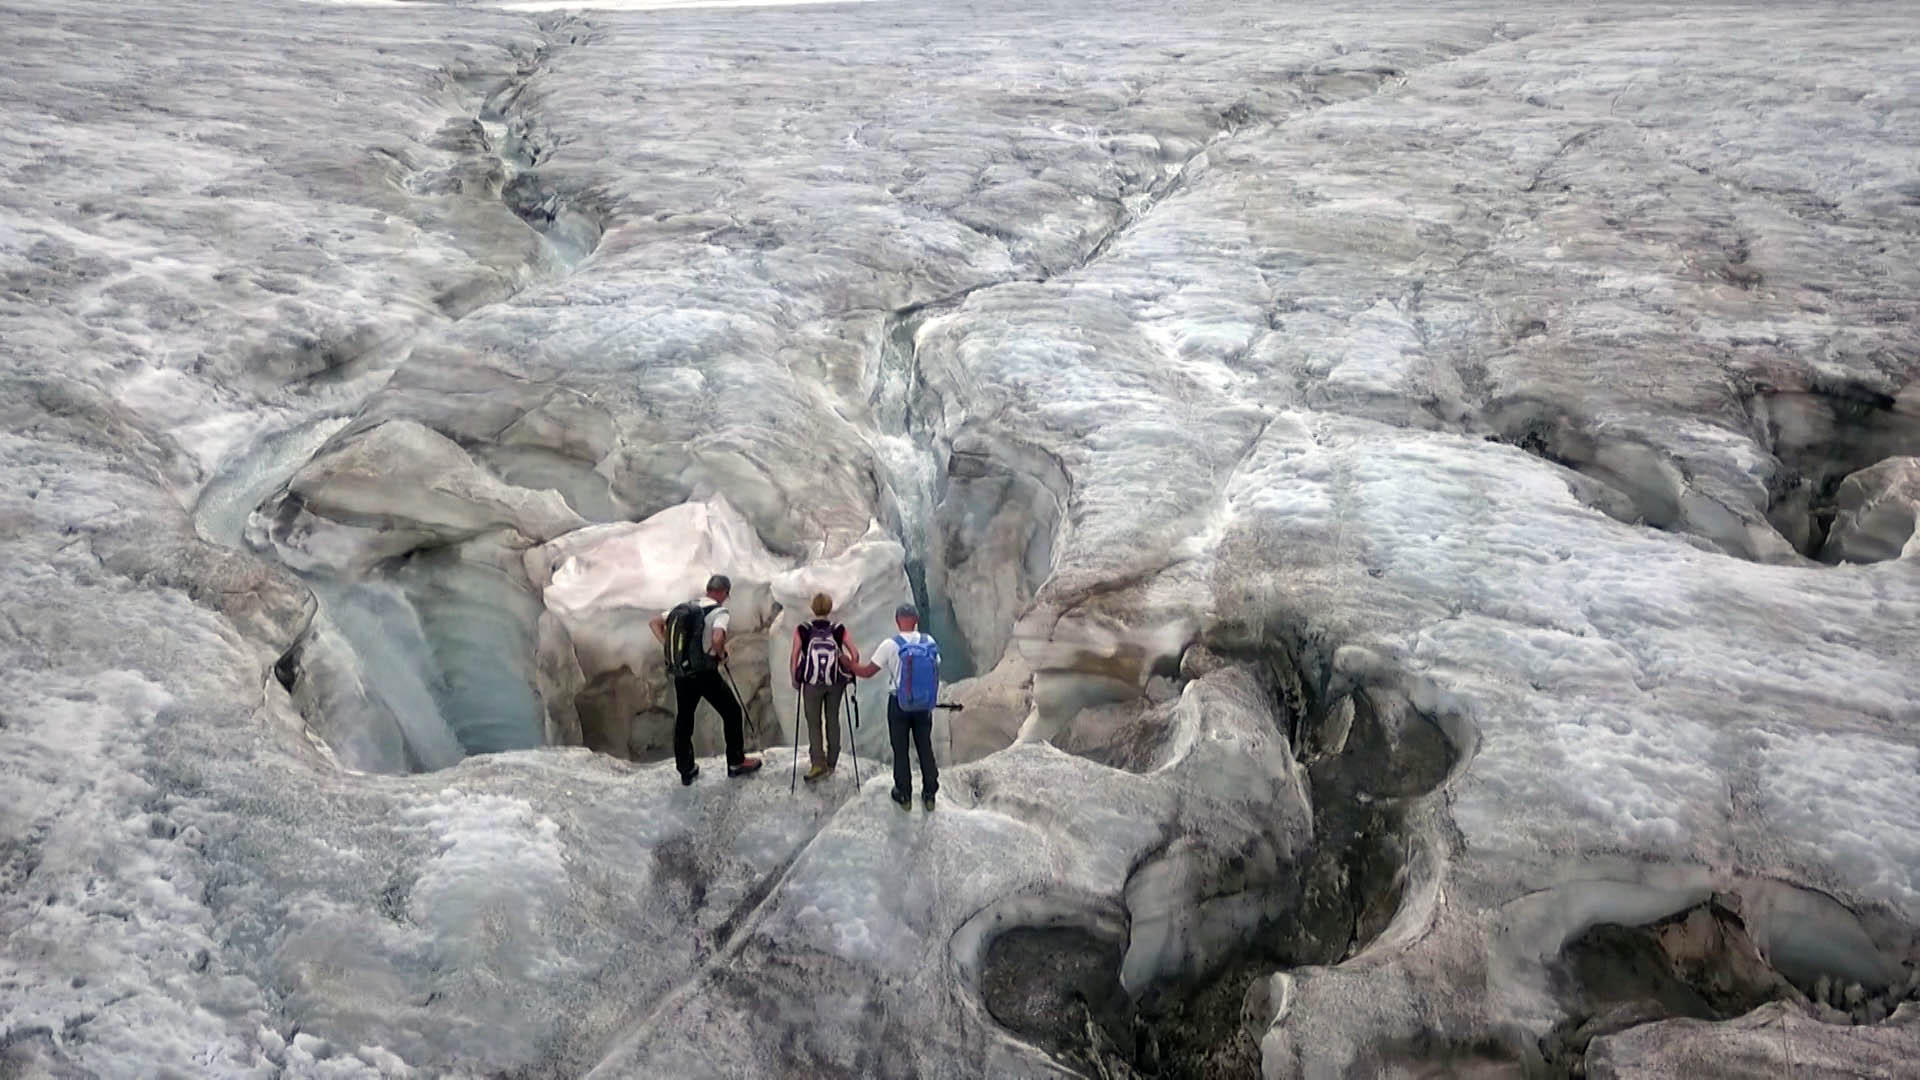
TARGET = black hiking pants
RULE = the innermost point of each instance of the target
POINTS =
(688, 692)
(901, 723)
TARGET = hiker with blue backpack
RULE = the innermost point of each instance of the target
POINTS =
(911, 660)
(822, 666)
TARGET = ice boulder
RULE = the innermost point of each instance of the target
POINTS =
(601, 585)
(996, 705)
(1875, 512)
(393, 488)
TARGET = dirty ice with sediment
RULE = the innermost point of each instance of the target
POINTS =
(1418, 502)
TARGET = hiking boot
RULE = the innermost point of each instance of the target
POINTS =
(817, 772)
(686, 778)
(927, 800)
(903, 800)
(747, 765)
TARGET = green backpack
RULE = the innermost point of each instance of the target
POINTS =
(687, 653)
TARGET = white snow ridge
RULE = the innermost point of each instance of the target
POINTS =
(1418, 502)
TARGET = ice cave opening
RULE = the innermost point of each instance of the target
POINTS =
(436, 635)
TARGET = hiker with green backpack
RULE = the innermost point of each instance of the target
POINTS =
(695, 637)
(911, 660)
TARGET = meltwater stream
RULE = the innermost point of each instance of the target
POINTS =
(407, 673)
(913, 462)
(429, 659)
(220, 513)
(416, 672)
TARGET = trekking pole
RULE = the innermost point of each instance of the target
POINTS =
(794, 777)
(853, 700)
(727, 670)
(952, 707)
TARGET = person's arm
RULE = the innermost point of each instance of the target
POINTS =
(864, 670)
(793, 660)
(659, 624)
(719, 620)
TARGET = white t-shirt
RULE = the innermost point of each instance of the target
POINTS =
(717, 619)
(888, 655)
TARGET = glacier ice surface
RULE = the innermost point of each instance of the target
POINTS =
(1380, 467)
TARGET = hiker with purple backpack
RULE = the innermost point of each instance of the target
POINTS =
(822, 667)
(911, 660)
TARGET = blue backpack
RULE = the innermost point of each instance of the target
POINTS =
(919, 688)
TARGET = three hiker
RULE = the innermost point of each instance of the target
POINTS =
(911, 660)
(695, 636)
(822, 663)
